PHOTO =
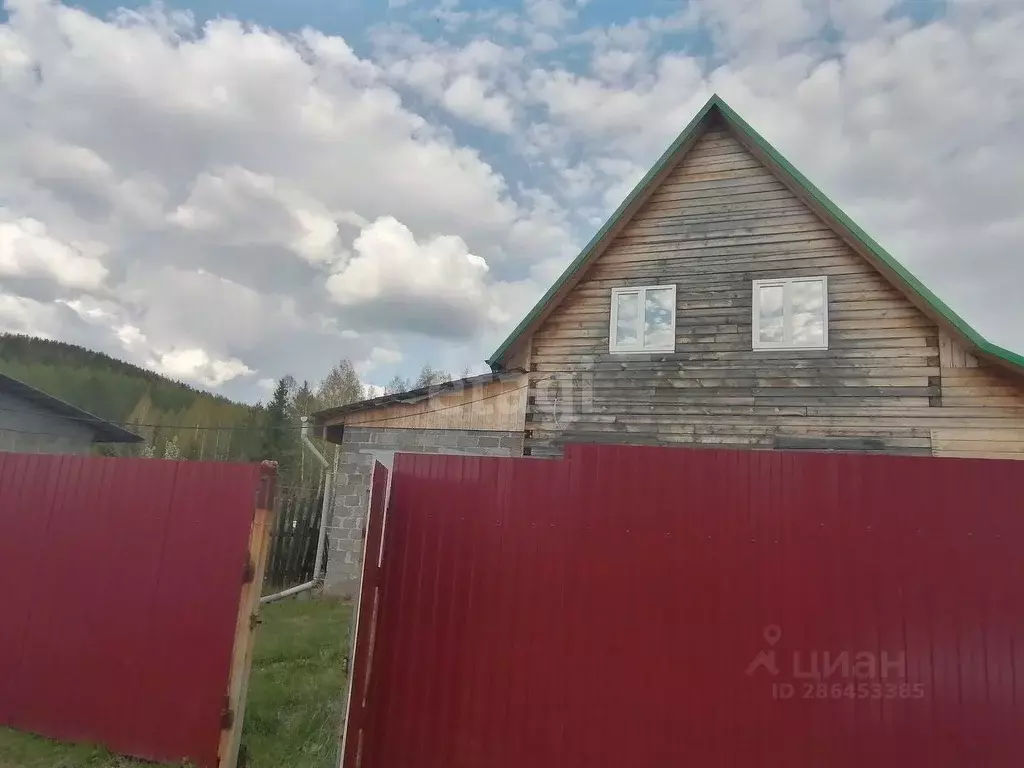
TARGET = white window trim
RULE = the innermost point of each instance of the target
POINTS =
(787, 342)
(639, 346)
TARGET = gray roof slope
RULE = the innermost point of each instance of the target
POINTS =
(104, 431)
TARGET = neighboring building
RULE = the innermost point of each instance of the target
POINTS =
(729, 303)
(32, 421)
(481, 415)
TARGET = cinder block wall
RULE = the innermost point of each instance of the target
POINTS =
(353, 482)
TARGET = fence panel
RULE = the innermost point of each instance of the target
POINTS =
(121, 580)
(658, 607)
(295, 536)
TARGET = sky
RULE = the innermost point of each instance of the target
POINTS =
(226, 191)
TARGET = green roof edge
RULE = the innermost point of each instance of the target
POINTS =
(869, 243)
(715, 102)
(583, 255)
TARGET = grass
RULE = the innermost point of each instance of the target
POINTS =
(294, 710)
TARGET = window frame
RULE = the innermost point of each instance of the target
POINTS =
(787, 310)
(639, 348)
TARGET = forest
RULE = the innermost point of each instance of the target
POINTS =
(180, 421)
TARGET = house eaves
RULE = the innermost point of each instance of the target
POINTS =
(410, 397)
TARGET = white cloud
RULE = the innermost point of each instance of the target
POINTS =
(551, 13)
(89, 309)
(378, 356)
(87, 181)
(195, 364)
(26, 250)
(632, 116)
(232, 187)
(26, 316)
(470, 82)
(746, 27)
(129, 336)
(467, 96)
(437, 281)
(246, 208)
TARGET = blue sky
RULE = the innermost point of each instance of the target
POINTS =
(230, 191)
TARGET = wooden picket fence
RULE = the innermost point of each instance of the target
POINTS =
(294, 538)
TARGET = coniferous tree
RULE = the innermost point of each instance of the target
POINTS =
(275, 425)
(304, 401)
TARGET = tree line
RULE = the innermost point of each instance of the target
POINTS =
(291, 401)
(179, 421)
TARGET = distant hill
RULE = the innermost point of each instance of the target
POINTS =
(155, 406)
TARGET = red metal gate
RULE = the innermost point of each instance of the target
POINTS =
(650, 607)
(120, 589)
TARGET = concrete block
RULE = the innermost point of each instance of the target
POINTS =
(449, 440)
(427, 438)
(387, 437)
(361, 462)
(513, 442)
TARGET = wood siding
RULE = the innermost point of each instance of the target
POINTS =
(994, 397)
(718, 222)
(497, 406)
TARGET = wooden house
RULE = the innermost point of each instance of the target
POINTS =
(728, 302)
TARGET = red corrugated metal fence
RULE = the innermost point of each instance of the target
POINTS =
(120, 582)
(658, 607)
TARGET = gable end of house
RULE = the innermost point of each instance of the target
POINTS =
(716, 113)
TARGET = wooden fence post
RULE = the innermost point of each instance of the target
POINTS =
(248, 614)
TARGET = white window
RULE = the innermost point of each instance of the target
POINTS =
(643, 319)
(791, 314)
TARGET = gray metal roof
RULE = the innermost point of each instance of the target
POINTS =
(414, 395)
(103, 431)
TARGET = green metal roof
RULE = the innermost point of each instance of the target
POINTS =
(905, 280)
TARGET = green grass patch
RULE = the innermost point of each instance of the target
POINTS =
(21, 750)
(294, 712)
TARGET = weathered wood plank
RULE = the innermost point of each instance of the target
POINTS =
(979, 455)
(952, 353)
(683, 371)
(496, 405)
(719, 221)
